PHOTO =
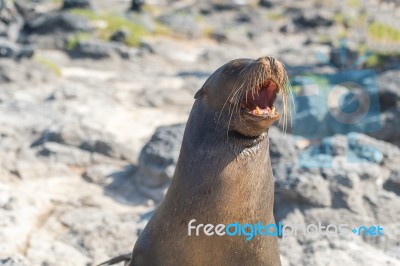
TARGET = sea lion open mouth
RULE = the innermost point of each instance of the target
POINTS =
(260, 101)
(259, 95)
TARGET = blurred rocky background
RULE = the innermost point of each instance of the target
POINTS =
(94, 96)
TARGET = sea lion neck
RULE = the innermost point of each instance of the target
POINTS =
(224, 168)
(206, 124)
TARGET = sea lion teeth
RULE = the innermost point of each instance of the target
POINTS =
(273, 110)
(258, 111)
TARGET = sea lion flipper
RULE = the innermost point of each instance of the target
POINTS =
(120, 258)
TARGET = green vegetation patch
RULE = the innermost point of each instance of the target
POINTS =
(107, 24)
(327, 3)
(324, 39)
(75, 39)
(48, 64)
(343, 19)
(274, 16)
(161, 29)
(353, 3)
(382, 32)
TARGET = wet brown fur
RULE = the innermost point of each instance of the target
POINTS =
(223, 175)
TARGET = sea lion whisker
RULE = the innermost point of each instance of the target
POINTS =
(238, 105)
(230, 113)
(286, 106)
(223, 107)
(235, 94)
(229, 99)
(229, 125)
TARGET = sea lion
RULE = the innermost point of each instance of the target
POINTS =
(223, 174)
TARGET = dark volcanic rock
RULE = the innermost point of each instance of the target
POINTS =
(98, 146)
(388, 89)
(232, 4)
(389, 100)
(14, 261)
(358, 148)
(120, 35)
(68, 4)
(281, 145)
(219, 36)
(307, 188)
(157, 161)
(25, 52)
(266, 3)
(136, 5)
(393, 183)
(73, 137)
(390, 131)
(283, 153)
(358, 183)
(343, 57)
(158, 158)
(92, 49)
(107, 148)
(314, 18)
(64, 154)
(59, 22)
(390, 153)
(289, 27)
(48, 136)
(96, 49)
(7, 49)
(15, 51)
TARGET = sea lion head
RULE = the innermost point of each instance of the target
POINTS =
(242, 93)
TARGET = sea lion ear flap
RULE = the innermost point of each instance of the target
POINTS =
(199, 93)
